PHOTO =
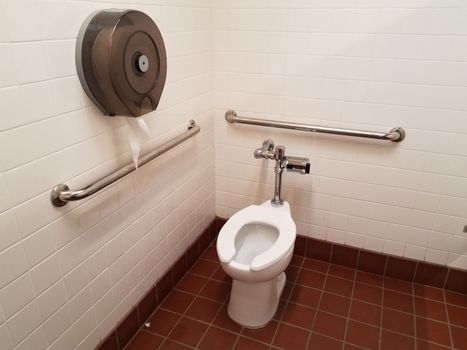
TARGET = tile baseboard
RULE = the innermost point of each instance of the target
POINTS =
(387, 265)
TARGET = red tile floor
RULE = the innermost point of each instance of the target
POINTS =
(324, 306)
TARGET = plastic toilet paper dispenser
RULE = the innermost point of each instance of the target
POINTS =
(121, 61)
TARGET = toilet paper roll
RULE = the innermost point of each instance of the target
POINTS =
(137, 132)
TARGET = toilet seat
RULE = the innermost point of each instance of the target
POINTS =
(280, 219)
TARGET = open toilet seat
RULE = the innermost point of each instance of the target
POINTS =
(255, 214)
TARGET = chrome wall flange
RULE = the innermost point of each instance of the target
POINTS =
(55, 195)
(400, 131)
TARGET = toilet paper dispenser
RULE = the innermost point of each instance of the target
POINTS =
(121, 61)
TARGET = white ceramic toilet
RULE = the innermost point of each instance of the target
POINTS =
(254, 247)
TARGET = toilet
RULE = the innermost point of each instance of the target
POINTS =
(255, 246)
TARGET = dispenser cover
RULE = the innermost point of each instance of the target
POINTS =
(121, 61)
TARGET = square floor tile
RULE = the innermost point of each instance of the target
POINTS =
(218, 339)
(391, 341)
(457, 315)
(216, 290)
(192, 283)
(145, 341)
(338, 285)
(330, 325)
(365, 312)
(319, 341)
(399, 301)
(298, 315)
(368, 293)
(290, 337)
(305, 296)
(315, 265)
(397, 321)
(188, 331)
(249, 344)
(433, 331)
(162, 322)
(177, 301)
(311, 278)
(203, 309)
(428, 292)
(430, 309)
(221, 276)
(335, 304)
(456, 298)
(204, 267)
(362, 334)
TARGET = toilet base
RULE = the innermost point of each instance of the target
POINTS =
(253, 305)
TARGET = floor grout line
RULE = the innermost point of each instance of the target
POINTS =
(448, 320)
(318, 304)
(347, 319)
(414, 319)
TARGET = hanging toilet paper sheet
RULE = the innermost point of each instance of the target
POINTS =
(138, 132)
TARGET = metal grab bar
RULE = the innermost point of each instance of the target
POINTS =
(395, 135)
(61, 194)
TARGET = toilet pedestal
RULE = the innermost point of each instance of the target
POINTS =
(254, 304)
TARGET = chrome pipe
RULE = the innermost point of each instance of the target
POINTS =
(281, 162)
(395, 135)
(61, 194)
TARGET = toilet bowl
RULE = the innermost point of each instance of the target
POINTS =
(254, 247)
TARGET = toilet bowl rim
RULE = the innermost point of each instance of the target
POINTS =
(281, 220)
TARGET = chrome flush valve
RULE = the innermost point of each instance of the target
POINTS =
(266, 151)
(298, 165)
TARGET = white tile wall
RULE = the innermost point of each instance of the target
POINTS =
(77, 270)
(74, 272)
(368, 65)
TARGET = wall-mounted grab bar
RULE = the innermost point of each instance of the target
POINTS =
(394, 135)
(61, 194)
